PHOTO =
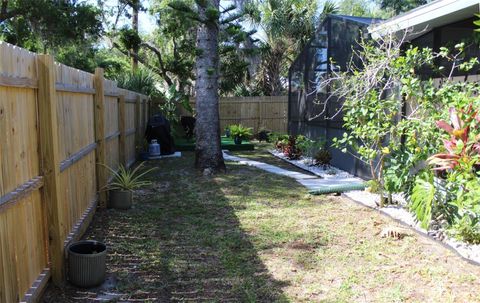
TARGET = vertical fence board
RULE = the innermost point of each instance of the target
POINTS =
(100, 135)
(50, 164)
(138, 122)
(122, 128)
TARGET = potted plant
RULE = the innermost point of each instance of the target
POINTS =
(125, 181)
(240, 133)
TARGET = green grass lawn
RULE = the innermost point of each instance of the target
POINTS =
(250, 236)
(183, 144)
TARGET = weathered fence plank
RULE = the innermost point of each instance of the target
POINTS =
(50, 159)
(122, 126)
(100, 152)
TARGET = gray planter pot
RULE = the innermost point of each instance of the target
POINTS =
(86, 263)
(120, 199)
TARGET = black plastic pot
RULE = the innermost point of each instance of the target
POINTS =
(237, 140)
(86, 263)
(120, 199)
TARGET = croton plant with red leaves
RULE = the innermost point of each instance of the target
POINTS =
(463, 145)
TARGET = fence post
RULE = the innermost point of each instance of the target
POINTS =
(50, 164)
(145, 112)
(122, 126)
(100, 151)
(259, 117)
(138, 122)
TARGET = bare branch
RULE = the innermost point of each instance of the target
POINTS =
(157, 52)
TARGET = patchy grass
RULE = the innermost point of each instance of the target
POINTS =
(250, 236)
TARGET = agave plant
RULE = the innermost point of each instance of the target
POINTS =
(127, 179)
(463, 144)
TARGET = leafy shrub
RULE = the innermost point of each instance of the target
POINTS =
(459, 162)
(279, 140)
(264, 135)
(291, 150)
(467, 229)
(394, 143)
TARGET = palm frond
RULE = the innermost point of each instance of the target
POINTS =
(423, 196)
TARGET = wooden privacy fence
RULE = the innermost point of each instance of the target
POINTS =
(269, 112)
(56, 124)
(257, 112)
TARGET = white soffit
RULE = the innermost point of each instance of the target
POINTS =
(427, 17)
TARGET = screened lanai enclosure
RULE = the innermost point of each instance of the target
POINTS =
(331, 49)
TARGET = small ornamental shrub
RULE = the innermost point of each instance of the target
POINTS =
(323, 158)
(279, 140)
(291, 150)
(264, 135)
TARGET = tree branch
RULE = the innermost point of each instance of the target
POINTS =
(160, 61)
(140, 59)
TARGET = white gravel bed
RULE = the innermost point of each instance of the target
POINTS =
(398, 212)
(329, 173)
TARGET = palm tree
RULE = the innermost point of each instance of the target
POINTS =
(329, 8)
(287, 26)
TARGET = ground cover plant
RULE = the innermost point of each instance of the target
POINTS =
(251, 236)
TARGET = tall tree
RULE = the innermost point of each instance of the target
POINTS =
(45, 24)
(169, 51)
(208, 151)
(136, 6)
(400, 6)
(360, 8)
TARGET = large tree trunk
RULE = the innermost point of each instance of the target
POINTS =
(135, 8)
(208, 151)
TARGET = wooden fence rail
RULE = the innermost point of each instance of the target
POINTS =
(56, 124)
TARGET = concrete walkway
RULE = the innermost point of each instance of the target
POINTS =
(311, 182)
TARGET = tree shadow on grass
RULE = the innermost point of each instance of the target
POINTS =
(182, 241)
(207, 256)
